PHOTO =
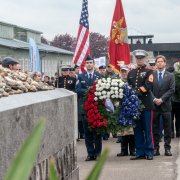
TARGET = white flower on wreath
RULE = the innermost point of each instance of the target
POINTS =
(104, 92)
(120, 96)
(108, 79)
(107, 86)
(101, 97)
(108, 93)
(121, 90)
(99, 94)
(117, 96)
(121, 84)
(116, 104)
(112, 96)
(103, 80)
(95, 98)
(116, 92)
(96, 93)
(111, 92)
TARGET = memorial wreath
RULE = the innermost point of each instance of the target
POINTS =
(111, 105)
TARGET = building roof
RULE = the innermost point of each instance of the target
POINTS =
(156, 47)
(14, 43)
(12, 25)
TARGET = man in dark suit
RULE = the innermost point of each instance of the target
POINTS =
(85, 80)
(141, 80)
(163, 89)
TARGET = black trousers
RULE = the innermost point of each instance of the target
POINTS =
(93, 141)
(128, 140)
(80, 126)
(166, 126)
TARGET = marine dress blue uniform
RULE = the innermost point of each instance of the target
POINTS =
(141, 80)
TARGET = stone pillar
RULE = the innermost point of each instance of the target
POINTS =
(18, 116)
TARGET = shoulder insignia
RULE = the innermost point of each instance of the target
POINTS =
(150, 79)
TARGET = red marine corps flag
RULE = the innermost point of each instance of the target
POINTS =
(82, 43)
(119, 52)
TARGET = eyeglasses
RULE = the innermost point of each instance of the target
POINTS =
(89, 62)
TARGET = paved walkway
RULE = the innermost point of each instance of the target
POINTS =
(121, 168)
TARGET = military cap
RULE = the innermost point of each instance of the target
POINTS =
(102, 67)
(152, 61)
(76, 66)
(65, 68)
(139, 53)
(124, 67)
(7, 61)
(71, 69)
(89, 58)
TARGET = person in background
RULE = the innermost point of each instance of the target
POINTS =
(72, 72)
(102, 70)
(47, 80)
(36, 76)
(52, 80)
(93, 141)
(77, 70)
(18, 68)
(110, 72)
(151, 64)
(175, 107)
(65, 81)
(126, 137)
(163, 89)
(141, 80)
(10, 63)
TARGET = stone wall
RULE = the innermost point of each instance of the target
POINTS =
(20, 113)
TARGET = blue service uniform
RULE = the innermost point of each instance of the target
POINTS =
(93, 140)
(141, 79)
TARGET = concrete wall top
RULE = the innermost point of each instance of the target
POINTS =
(14, 101)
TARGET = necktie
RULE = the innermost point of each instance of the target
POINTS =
(160, 77)
(90, 76)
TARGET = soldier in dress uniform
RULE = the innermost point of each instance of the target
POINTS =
(65, 81)
(141, 80)
(85, 80)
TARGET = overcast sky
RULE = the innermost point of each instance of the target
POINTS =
(52, 17)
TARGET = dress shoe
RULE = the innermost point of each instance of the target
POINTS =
(90, 158)
(156, 152)
(177, 134)
(81, 137)
(137, 158)
(105, 138)
(118, 141)
(149, 157)
(132, 153)
(167, 152)
(122, 154)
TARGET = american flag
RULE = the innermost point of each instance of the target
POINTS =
(82, 43)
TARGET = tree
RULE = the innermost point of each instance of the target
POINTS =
(65, 41)
(44, 40)
(98, 45)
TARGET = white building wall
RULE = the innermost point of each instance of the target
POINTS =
(6, 32)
